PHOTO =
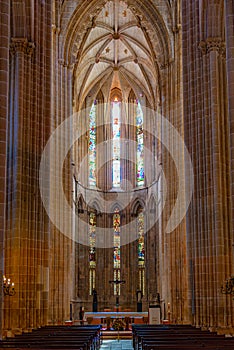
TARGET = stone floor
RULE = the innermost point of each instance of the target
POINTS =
(121, 344)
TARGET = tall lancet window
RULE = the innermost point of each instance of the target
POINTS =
(116, 257)
(141, 251)
(116, 107)
(140, 145)
(92, 251)
(92, 144)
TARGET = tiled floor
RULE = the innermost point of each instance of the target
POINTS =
(117, 344)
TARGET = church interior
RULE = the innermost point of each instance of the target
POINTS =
(117, 161)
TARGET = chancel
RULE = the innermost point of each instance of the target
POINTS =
(116, 165)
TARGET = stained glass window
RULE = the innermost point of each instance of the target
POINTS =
(140, 145)
(92, 251)
(116, 143)
(116, 257)
(92, 275)
(116, 226)
(141, 251)
(141, 241)
(92, 145)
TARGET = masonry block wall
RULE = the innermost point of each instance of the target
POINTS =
(4, 86)
(27, 28)
(207, 136)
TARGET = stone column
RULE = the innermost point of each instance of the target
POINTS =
(17, 236)
(4, 88)
(213, 47)
(215, 50)
(229, 30)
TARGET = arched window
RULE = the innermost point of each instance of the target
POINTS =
(92, 144)
(141, 250)
(92, 251)
(116, 143)
(116, 169)
(116, 257)
(140, 145)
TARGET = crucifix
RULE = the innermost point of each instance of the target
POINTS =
(117, 282)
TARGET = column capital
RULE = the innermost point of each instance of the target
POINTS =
(21, 45)
(165, 65)
(55, 29)
(65, 64)
(212, 44)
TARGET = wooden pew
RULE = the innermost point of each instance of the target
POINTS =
(177, 337)
(57, 337)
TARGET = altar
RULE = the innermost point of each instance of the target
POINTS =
(136, 317)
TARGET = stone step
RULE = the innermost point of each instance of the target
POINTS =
(116, 334)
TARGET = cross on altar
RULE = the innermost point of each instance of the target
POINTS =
(117, 282)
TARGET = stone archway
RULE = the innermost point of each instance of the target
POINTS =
(88, 76)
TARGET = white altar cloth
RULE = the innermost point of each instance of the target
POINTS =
(115, 314)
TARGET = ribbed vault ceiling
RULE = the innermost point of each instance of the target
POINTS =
(117, 52)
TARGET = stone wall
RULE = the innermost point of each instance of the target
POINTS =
(27, 227)
(207, 136)
(4, 86)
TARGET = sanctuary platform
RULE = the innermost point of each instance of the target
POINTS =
(136, 317)
(116, 314)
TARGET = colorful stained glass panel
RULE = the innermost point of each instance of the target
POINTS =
(92, 145)
(92, 240)
(140, 145)
(116, 240)
(141, 241)
(116, 143)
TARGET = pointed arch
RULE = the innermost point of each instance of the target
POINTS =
(94, 206)
(137, 205)
(131, 96)
(116, 205)
(100, 97)
(116, 93)
(80, 203)
(152, 204)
